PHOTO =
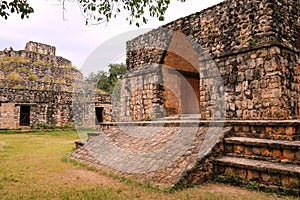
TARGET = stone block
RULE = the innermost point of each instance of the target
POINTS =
(248, 151)
(286, 181)
(239, 148)
(297, 155)
(266, 152)
(229, 170)
(256, 151)
(265, 177)
(288, 154)
(290, 130)
(277, 153)
(242, 173)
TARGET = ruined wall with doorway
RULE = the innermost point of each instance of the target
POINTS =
(36, 89)
(249, 46)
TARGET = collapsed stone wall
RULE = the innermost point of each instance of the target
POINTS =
(40, 48)
(253, 45)
(38, 53)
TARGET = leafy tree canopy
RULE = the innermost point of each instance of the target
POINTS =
(106, 81)
(98, 11)
(21, 7)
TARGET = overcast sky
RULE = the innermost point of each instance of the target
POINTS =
(72, 38)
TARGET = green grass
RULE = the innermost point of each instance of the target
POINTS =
(34, 165)
(41, 63)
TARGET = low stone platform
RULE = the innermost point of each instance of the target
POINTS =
(179, 153)
(158, 152)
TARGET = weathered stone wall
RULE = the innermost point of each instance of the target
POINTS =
(104, 101)
(46, 107)
(253, 45)
(40, 48)
(35, 77)
(41, 54)
(259, 84)
(23, 74)
(141, 97)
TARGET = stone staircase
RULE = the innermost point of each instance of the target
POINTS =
(261, 156)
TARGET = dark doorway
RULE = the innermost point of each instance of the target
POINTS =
(99, 114)
(24, 115)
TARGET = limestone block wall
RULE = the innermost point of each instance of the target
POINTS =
(141, 97)
(46, 107)
(40, 48)
(252, 43)
(259, 84)
(104, 101)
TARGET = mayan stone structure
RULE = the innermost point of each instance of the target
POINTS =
(36, 88)
(224, 82)
(254, 46)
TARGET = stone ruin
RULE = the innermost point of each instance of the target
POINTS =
(231, 72)
(37, 87)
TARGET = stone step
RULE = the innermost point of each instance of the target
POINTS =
(262, 172)
(279, 131)
(294, 137)
(264, 149)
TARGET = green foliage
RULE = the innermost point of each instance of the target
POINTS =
(24, 70)
(8, 68)
(19, 87)
(68, 67)
(32, 77)
(107, 81)
(60, 81)
(41, 63)
(43, 126)
(14, 76)
(96, 12)
(46, 79)
(253, 41)
(19, 6)
(16, 59)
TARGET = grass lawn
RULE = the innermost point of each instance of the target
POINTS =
(32, 167)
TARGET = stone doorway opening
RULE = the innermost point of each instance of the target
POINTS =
(181, 77)
(190, 93)
(24, 115)
(181, 92)
(99, 114)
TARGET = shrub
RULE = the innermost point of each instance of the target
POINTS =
(43, 63)
(32, 77)
(16, 59)
(8, 68)
(67, 67)
(60, 81)
(47, 79)
(24, 70)
(14, 76)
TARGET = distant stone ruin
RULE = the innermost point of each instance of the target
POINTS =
(36, 89)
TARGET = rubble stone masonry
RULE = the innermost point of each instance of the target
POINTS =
(253, 45)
